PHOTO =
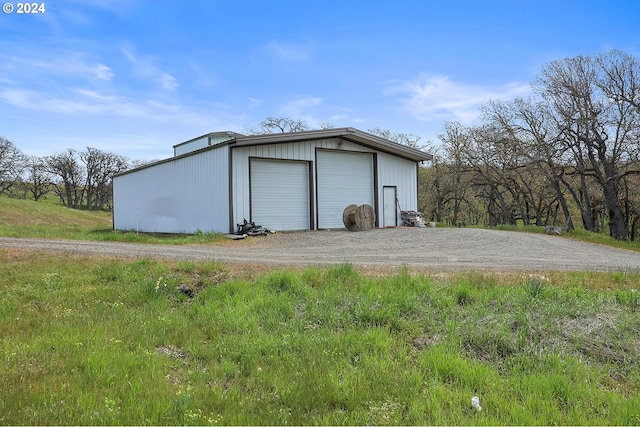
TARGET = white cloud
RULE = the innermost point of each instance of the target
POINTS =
(82, 102)
(297, 107)
(203, 76)
(102, 72)
(145, 67)
(66, 64)
(75, 101)
(438, 98)
(289, 51)
(254, 103)
(77, 65)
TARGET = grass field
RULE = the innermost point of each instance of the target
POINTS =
(48, 219)
(97, 341)
(88, 340)
(579, 234)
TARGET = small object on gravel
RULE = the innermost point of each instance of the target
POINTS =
(552, 230)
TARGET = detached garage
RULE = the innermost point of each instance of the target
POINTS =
(284, 182)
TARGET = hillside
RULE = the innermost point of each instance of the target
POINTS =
(26, 218)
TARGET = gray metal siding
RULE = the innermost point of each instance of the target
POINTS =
(180, 196)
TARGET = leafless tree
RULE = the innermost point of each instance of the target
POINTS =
(326, 125)
(69, 177)
(456, 142)
(408, 139)
(598, 125)
(278, 124)
(103, 167)
(621, 77)
(572, 147)
(529, 126)
(12, 165)
(38, 178)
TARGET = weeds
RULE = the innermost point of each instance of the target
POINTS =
(93, 341)
(535, 285)
(629, 298)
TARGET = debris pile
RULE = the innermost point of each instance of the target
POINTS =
(412, 219)
(251, 229)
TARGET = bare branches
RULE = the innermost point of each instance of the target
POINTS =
(575, 145)
(594, 102)
(408, 139)
(12, 164)
(68, 177)
(279, 124)
(38, 179)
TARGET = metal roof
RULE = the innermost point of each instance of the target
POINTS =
(230, 135)
(348, 133)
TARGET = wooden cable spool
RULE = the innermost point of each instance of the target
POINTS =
(359, 218)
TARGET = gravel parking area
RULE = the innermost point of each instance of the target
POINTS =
(439, 249)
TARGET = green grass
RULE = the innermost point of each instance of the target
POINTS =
(578, 234)
(102, 342)
(603, 239)
(48, 219)
(95, 341)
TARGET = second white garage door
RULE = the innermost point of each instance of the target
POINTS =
(344, 178)
(280, 194)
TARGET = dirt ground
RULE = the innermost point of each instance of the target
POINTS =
(432, 249)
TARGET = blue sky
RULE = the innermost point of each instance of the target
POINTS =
(135, 77)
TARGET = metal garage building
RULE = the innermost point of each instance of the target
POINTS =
(285, 181)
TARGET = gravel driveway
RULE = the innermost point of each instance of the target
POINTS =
(419, 248)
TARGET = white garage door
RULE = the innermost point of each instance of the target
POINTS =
(344, 178)
(280, 194)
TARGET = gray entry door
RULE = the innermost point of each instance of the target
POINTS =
(389, 206)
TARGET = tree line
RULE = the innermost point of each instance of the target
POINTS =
(567, 156)
(81, 179)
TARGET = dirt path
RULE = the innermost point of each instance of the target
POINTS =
(440, 249)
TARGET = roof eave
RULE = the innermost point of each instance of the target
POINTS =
(347, 133)
(230, 134)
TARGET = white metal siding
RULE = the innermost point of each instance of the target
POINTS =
(197, 144)
(401, 173)
(191, 146)
(344, 178)
(280, 194)
(192, 193)
(305, 150)
(179, 196)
